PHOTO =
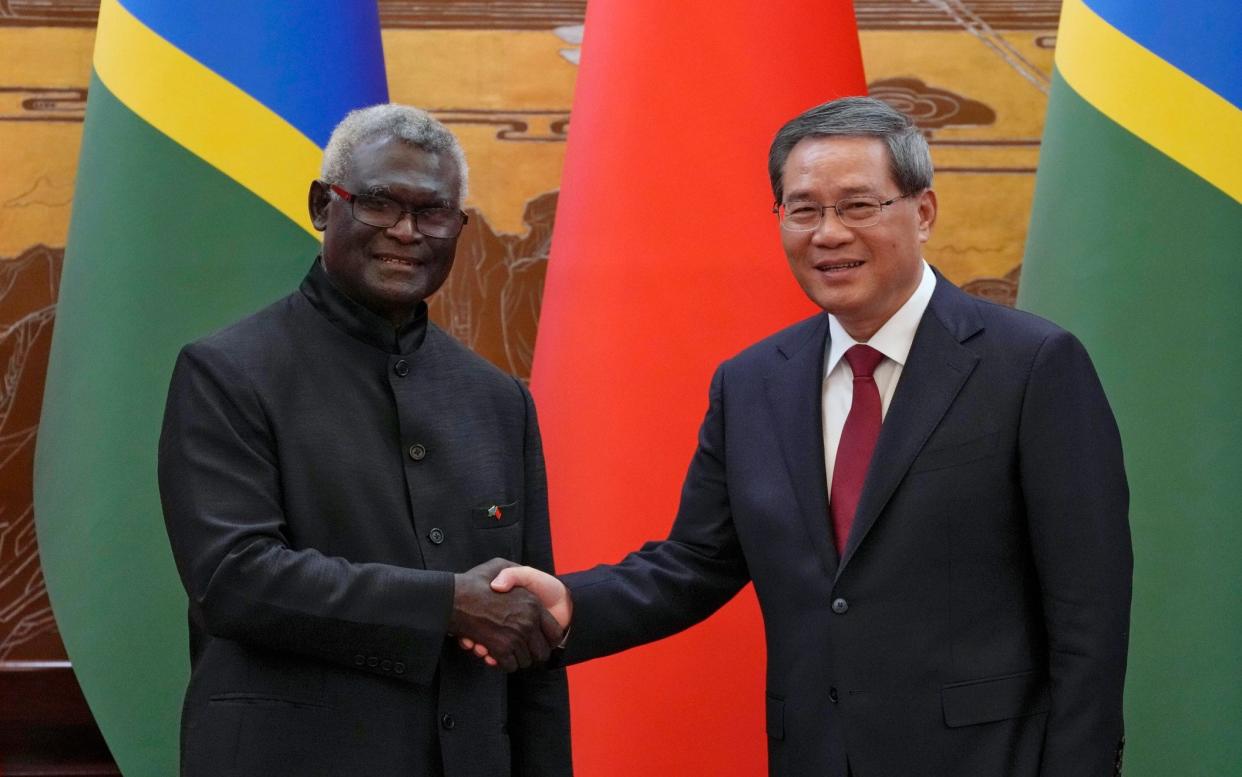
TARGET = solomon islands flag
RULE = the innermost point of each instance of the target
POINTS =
(1135, 244)
(204, 127)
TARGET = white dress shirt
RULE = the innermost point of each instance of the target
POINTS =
(893, 339)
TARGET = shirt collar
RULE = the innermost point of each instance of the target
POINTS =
(895, 337)
(359, 322)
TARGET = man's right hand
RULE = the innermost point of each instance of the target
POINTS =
(552, 594)
(516, 628)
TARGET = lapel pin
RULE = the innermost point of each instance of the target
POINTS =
(495, 512)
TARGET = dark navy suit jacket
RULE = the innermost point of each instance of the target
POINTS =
(976, 625)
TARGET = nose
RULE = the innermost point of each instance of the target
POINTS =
(831, 232)
(404, 230)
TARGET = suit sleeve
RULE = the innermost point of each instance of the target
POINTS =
(1077, 502)
(669, 585)
(220, 486)
(538, 698)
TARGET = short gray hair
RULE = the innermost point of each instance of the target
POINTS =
(406, 123)
(908, 156)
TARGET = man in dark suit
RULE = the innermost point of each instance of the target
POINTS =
(926, 489)
(336, 473)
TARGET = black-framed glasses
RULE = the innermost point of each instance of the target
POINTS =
(806, 216)
(375, 211)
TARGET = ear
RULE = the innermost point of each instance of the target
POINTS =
(317, 200)
(927, 214)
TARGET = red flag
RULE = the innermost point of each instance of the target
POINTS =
(665, 260)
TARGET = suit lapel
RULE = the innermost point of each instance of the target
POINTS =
(794, 391)
(935, 371)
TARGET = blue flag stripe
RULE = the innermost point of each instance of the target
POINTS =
(1202, 38)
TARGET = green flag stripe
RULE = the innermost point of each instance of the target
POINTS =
(162, 249)
(1138, 256)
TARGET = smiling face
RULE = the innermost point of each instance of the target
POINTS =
(388, 271)
(860, 275)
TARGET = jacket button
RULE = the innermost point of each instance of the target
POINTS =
(436, 536)
(839, 606)
(447, 721)
(372, 662)
(418, 452)
(386, 665)
(832, 694)
(360, 660)
(402, 368)
(398, 668)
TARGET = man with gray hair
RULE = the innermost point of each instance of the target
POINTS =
(926, 489)
(340, 479)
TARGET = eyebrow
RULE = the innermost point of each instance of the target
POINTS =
(380, 190)
(801, 195)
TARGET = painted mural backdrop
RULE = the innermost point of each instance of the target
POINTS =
(973, 73)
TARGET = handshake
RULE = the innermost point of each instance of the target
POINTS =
(510, 616)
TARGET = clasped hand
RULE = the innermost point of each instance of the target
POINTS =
(508, 628)
(505, 627)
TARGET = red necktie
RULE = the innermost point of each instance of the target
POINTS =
(858, 436)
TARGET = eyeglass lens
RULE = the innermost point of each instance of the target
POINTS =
(384, 213)
(853, 212)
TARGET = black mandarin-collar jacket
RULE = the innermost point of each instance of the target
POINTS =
(322, 477)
